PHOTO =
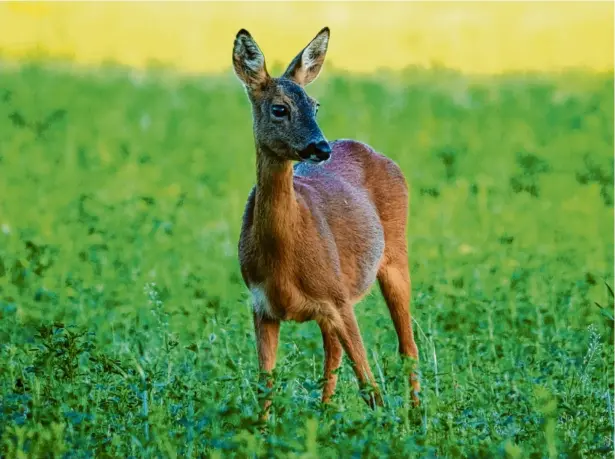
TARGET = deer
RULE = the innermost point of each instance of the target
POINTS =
(323, 222)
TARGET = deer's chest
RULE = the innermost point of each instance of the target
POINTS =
(260, 302)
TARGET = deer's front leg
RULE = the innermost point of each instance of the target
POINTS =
(267, 337)
(333, 359)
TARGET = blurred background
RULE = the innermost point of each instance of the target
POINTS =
(475, 37)
(126, 157)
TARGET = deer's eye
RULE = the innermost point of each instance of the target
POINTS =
(279, 111)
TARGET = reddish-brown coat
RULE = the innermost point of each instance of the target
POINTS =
(316, 237)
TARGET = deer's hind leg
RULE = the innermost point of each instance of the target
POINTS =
(394, 280)
(349, 336)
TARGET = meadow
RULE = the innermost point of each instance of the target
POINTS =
(125, 328)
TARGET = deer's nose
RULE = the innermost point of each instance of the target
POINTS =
(316, 152)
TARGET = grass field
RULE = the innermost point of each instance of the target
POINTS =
(125, 329)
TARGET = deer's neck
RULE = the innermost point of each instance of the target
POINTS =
(275, 209)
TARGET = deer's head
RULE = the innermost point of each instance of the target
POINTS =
(284, 116)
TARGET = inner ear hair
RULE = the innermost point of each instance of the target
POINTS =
(306, 66)
(249, 61)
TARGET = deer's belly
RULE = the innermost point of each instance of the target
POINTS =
(282, 304)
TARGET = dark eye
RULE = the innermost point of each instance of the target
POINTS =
(316, 109)
(279, 111)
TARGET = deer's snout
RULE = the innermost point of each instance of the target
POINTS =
(316, 152)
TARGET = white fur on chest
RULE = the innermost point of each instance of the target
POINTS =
(260, 302)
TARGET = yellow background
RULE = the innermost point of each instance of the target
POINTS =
(475, 37)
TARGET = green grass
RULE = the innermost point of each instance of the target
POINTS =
(125, 328)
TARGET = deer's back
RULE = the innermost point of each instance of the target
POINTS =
(364, 170)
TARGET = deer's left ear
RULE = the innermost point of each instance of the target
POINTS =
(307, 65)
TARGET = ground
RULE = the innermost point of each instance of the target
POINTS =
(125, 328)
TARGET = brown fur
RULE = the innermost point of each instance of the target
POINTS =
(316, 237)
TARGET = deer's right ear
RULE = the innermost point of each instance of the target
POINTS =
(249, 61)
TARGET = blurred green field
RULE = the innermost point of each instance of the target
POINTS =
(125, 328)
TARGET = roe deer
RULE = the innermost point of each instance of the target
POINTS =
(316, 236)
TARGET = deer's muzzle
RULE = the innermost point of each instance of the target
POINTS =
(316, 152)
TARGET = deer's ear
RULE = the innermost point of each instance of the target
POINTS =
(307, 65)
(249, 61)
